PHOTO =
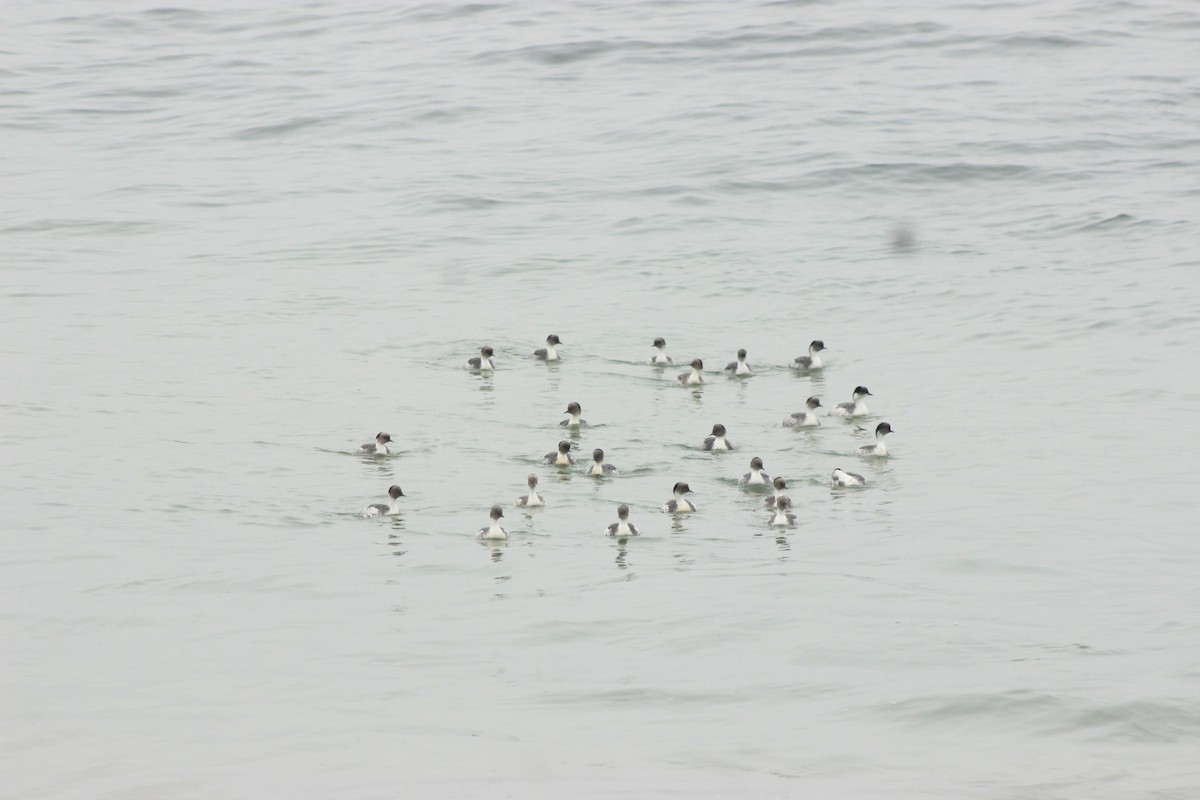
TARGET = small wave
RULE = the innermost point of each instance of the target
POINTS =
(438, 13)
(302, 33)
(279, 129)
(885, 175)
(1103, 324)
(109, 112)
(1022, 42)
(83, 227)
(1137, 721)
(976, 705)
(174, 13)
(566, 53)
(1027, 41)
(466, 202)
(145, 188)
(1115, 221)
(917, 173)
(756, 42)
(1141, 720)
(138, 94)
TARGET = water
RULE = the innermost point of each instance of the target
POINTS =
(237, 243)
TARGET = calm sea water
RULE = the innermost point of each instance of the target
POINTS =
(236, 243)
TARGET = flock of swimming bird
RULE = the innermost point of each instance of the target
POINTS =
(779, 503)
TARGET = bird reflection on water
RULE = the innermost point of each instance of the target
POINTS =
(393, 540)
(622, 553)
(495, 547)
(485, 385)
(378, 469)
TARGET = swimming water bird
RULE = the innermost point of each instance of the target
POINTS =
(756, 476)
(717, 440)
(574, 422)
(856, 407)
(693, 377)
(807, 418)
(483, 361)
(548, 353)
(660, 356)
(494, 531)
(813, 359)
(781, 515)
(779, 485)
(599, 469)
(879, 448)
(679, 504)
(842, 478)
(389, 509)
(533, 498)
(562, 457)
(739, 367)
(379, 447)
(622, 527)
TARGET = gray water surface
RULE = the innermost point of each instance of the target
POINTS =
(237, 243)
